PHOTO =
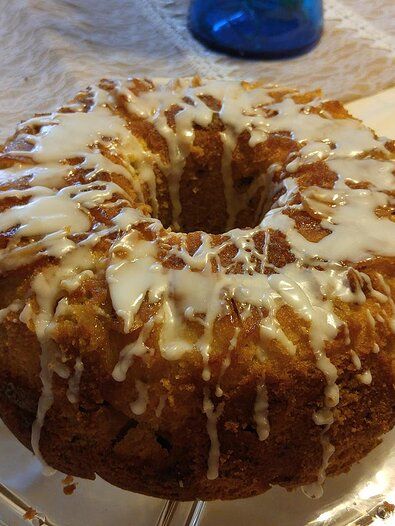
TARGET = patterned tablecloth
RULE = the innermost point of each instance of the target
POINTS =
(51, 48)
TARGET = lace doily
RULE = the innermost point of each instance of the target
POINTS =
(51, 48)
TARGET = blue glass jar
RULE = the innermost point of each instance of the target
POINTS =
(257, 28)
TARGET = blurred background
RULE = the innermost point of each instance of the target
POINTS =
(52, 47)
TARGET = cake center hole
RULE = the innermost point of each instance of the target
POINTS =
(211, 204)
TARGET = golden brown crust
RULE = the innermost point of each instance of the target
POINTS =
(165, 454)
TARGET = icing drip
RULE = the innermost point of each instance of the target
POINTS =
(47, 288)
(261, 411)
(212, 418)
(74, 381)
(371, 320)
(137, 348)
(365, 377)
(315, 491)
(15, 306)
(45, 402)
(347, 340)
(355, 359)
(229, 143)
(388, 296)
(139, 406)
(225, 364)
(160, 406)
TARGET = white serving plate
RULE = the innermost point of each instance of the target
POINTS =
(354, 499)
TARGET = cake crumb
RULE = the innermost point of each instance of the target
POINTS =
(385, 510)
(30, 514)
(69, 489)
(69, 479)
(69, 485)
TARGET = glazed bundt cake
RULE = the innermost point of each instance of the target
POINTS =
(197, 287)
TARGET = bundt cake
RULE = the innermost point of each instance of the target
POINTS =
(197, 287)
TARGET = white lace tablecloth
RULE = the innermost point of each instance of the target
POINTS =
(52, 48)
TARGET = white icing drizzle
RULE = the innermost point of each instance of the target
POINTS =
(72, 284)
(226, 362)
(315, 490)
(43, 213)
(380, 318)
(371, 320)
(261, 407)
(161, 405)
(58, 138)
(387, 291)
(26, 314)
(55, 217)
(137, 348)
(347, 339)
(212, 418)
(74, 381)
(15, 306)
(47, 287)
(355, 359)
(45, 402)
(139, 406)
(365, 377)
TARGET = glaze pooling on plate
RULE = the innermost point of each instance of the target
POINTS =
(54, 217)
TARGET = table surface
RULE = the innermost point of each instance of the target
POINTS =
(52, 48)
